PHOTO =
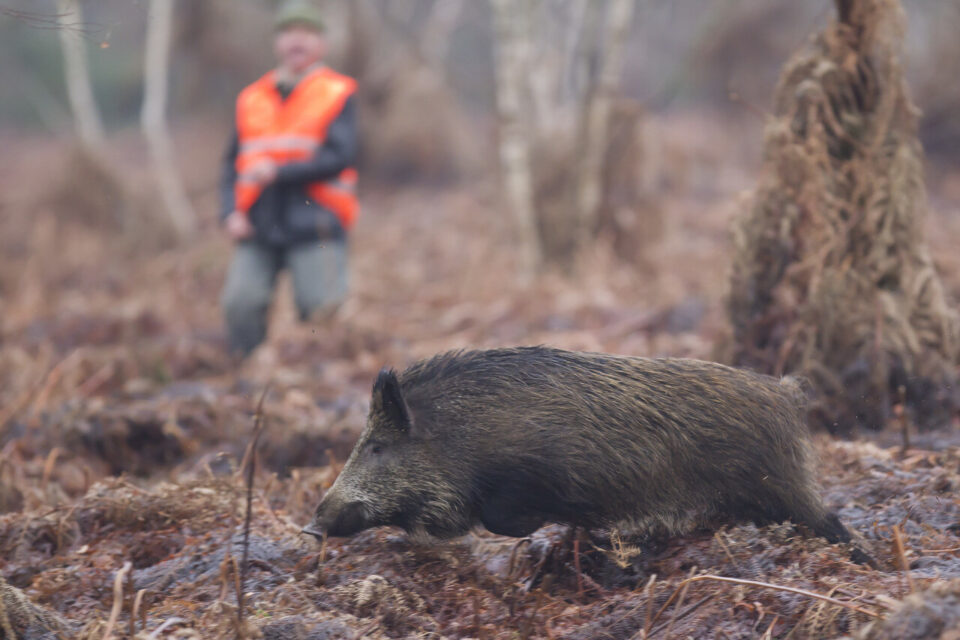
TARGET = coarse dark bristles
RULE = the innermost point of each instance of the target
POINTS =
(515, 438)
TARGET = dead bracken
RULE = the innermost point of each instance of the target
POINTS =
(832, 279)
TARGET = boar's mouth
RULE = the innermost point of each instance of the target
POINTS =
(345, 521)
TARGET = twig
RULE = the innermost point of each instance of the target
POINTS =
(767, 585)
(512, 565)
(676, 609)
(257, 419)
(734, 96)
(97, 380)
(576, 564)
(651, 592)
(683, 614)
(166, 623)
(477, 626)
(132, 621)
(902, 555)
(16, 407)
(22, 402)
(726, 550)
(48, 467)
(238, 589)
(137, 603)
(117, 599)
(251, 458)
(769, 633)
(43, 396)
(904, 420)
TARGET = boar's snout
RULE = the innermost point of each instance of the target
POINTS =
(338, 519)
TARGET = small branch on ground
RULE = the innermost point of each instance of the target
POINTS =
(764, 585)
(902, 556)
(250, 460)
(117, 599)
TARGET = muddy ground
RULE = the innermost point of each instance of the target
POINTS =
(123, 425)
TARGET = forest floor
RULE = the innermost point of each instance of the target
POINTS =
(123, 426)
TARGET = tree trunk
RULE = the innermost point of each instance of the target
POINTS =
(595, 118)
(153, 120)
(438, 30)
(512, 72)
(86, 116)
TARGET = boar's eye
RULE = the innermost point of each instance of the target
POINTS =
(376, 448)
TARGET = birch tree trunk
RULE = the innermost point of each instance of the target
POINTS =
(595, 119)
(153, 119)
(512, 55)
(86, 116)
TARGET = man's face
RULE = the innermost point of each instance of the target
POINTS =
(297, 47)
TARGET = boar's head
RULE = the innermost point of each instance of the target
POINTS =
(397, 474)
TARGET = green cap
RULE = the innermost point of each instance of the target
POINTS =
(298, 12)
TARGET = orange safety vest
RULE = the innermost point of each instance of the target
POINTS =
(291, 130)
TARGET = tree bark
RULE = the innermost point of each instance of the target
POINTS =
(595, 118)
(153, 119)
(86, 116)
(512, 55)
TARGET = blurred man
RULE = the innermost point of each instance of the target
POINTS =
(288, 186)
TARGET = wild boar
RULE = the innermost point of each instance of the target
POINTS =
(515, 438)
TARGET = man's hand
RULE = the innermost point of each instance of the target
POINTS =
(264, 172)
(238, 226)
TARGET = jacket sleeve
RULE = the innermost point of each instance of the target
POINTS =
(228, 176)
(338, 152)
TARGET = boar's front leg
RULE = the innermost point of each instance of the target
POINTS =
(505, 513)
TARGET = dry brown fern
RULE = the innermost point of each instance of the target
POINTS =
(831, 278)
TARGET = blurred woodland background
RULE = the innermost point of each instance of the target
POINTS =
(592, 175)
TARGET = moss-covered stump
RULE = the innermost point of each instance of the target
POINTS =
(831, 278)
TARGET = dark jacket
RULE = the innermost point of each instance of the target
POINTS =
(284, 215)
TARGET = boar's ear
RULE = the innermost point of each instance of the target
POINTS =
(387, 388)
